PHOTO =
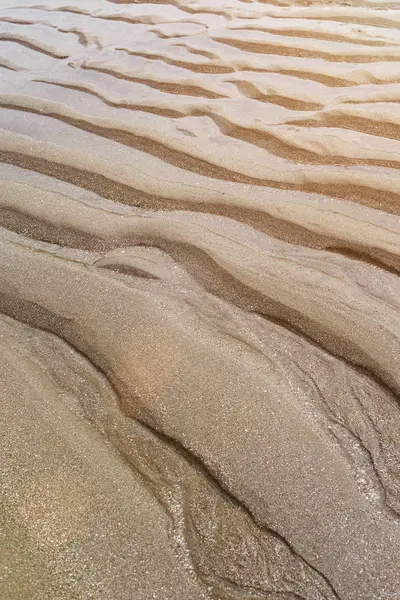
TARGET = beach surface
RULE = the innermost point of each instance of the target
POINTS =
(199, 300)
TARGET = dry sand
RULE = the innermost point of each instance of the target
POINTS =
(199, 300)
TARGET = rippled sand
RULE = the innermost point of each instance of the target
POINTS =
(199, 299)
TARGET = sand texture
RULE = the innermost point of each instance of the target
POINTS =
(199, 300)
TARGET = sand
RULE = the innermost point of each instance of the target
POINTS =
(199, 300)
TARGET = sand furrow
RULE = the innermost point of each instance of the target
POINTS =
(131, 384)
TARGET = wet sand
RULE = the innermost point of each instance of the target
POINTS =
(199, 300)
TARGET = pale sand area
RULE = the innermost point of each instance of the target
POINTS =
(199, 300)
